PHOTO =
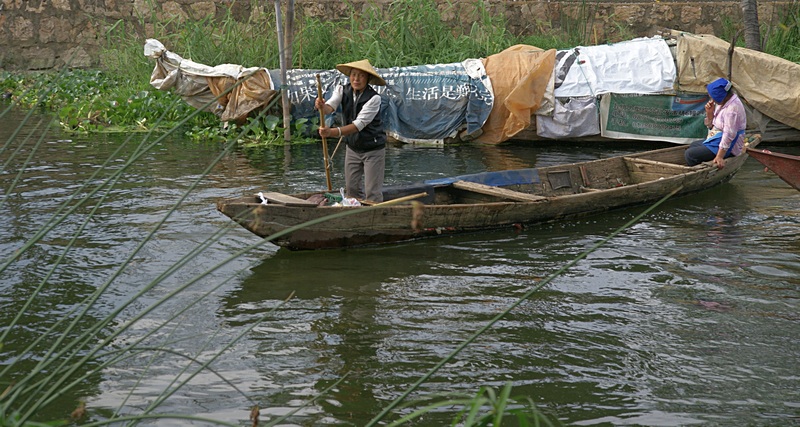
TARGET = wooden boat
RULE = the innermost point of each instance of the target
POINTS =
(489, 200)
(786, 166)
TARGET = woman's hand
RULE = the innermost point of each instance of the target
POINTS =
(326, 132)
(709, 107)
(719, 161)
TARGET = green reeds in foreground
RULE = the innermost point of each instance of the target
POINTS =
(75, 347)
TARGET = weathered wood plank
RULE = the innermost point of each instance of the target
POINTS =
(673, 166)
(497, 191)
(283, 199)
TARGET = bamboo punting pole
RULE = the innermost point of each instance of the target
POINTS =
(324, 140)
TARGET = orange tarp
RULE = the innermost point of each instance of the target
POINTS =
(520, 77)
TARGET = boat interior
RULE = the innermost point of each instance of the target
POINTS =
(553, 181)
(529, 185)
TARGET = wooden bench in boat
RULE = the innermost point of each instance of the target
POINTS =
(497, 192)
(283, 199)
(664, 165)
(642, 170)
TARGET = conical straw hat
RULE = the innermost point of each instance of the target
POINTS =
(364, 66)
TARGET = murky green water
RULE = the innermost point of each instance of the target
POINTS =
(688, 317)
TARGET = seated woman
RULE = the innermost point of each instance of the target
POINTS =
(726, 121)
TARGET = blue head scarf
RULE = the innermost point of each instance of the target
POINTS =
(718, 89)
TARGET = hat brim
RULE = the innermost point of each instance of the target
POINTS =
(374, 77)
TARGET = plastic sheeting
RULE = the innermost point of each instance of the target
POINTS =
(572, 118)
(494, 178)
(768, 83)
(520, 77)
(642, 66)
(670, 118)
(204, 87)
(426, 103)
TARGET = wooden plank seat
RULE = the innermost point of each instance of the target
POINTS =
(664, 165)
(283, 199)
(497, 192)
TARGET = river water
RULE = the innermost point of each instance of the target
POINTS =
(690, 316)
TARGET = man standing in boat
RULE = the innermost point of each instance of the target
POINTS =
(362, 130)
(726, 120)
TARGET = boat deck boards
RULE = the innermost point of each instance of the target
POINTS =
(497, 191)
(283, 199)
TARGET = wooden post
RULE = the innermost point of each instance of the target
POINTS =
(287, 118)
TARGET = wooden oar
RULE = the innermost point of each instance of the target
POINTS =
(324, 140)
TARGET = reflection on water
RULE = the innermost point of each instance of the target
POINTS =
(689, 316)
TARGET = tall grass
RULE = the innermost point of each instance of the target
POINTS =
(405, 32)
(782, 39)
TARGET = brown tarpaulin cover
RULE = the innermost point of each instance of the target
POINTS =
(520, 76)
(254, 91)
(199, 85)
(768, 83)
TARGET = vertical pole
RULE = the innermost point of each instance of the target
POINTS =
(289, 36)
(289, 61)
(324, 141)
(287, 135)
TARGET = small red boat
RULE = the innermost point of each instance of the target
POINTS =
(786, 166)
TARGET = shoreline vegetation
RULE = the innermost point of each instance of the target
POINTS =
(119, 98)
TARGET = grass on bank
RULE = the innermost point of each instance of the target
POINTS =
(119, 97)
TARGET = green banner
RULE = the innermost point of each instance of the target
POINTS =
(670, 118)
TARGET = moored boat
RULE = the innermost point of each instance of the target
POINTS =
(481, 201)
(786, 166)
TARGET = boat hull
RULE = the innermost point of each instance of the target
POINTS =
(650, 175)
(786, 166)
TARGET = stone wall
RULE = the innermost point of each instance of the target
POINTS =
(47, 34)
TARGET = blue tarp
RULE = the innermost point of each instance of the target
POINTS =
(495, 179)
(425, 103)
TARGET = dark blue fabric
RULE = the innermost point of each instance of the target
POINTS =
(419, 103)
(712, 143)
(372, 137)
(717, 90)
(495, 179)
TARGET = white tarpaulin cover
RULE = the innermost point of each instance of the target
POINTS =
(572, 118)
(642, 65)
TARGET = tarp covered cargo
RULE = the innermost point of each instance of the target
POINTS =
(522, 79)
(425, 103)
(200, 85)
(638, 90)
(766, 82)
(642, 66)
